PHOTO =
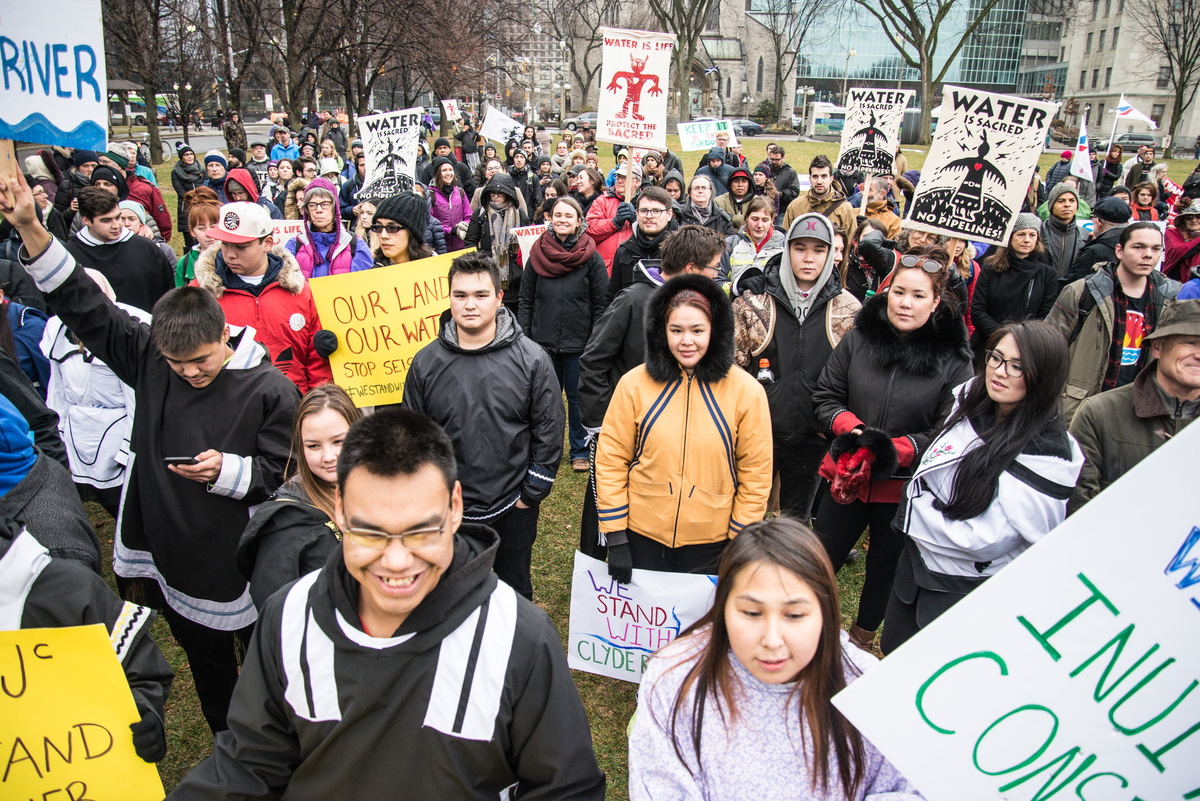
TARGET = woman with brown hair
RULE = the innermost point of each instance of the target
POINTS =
(293, 533)
(1016, 283)
(755, 678)
(294, 204)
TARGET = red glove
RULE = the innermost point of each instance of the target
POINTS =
(853, 473)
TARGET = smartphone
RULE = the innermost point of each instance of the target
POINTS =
(180, 460)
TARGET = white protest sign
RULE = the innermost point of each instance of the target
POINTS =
(450, 108)
(871, 131)
(390, 142)
(1073, 673)
(615, 628)
(525, 238)
(978, 168)
(54, 90)
(702, 134)
(499, 127)
(285, 230)
(633, 96)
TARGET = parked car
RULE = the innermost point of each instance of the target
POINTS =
(1130, 142)
(746, 128)
(577, 122)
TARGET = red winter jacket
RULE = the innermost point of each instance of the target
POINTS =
(151, 199)
(601, 229)
(283, 316)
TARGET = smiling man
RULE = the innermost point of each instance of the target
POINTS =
(205, 393)
(495, 393)
(1125, 298)
(403, 667)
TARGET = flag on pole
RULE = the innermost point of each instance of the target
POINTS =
(1128, 112)
(1081, 160)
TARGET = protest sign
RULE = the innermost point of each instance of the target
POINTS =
(64, 718)
(1070, 674)
(702, 135)
(499, 127)
(54, 90)
(382, 317)
(871, 132)
(390, 142)
(450, 110)
(525, 238)
(978, 168)
(615, 628)
(633, 97)
(284, 230)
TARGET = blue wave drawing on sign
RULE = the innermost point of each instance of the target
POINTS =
(37, 129)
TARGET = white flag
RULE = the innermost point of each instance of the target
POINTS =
(1128, 112)
(499, 127)
(1081, 161)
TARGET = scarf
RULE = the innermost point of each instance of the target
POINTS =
(702, 214)
(502, 219)
(553, 259)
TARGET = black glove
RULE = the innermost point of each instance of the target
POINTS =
(620, 563)
(625, 213)
(149, 736)
(325, 342)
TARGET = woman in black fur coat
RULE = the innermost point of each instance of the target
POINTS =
(884, 391)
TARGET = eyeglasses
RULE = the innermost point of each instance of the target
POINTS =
(1012, 367)
(928, 265)
(651, 212)
(413, 539)
(391, 228)
(325, 206)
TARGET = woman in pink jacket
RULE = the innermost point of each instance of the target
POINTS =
(449, 204)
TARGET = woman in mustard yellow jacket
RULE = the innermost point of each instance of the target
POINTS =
(683, 462)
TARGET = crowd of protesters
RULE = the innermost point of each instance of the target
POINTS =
(712, 351)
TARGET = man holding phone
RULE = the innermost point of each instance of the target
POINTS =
(204, 390)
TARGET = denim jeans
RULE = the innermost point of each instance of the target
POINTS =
(566, 367)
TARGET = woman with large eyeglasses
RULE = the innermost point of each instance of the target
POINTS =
(325, 247)
(882, 394)
(399, 226)
(994, 480)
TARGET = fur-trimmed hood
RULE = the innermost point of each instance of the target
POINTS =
(922, 352)
(718, 360)
(209, 277)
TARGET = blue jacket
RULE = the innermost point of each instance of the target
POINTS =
(27, 325)
(348, 197)
(292, 151)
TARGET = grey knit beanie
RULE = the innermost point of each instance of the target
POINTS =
(1026, 221)
(1057, 191)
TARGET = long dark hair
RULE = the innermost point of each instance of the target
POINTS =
(788, 543)
(1045, 363)
(998, 258)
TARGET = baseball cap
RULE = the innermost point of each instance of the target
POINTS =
(241, 222)
(624, 170)
(811, 226)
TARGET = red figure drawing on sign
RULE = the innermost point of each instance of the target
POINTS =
(634, 83)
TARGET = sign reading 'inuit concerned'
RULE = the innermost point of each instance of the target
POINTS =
(382, 317)
(1074, 673)
(979, 165)
(634, 83)
(872, 130)
(65, 710)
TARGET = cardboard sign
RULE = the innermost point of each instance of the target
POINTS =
(978, 169)
(872, 129)
(65, 712)
(615, 628)
(54, 90)
(285, 230)
(390, 142)
(382, 317)
(450, 109)
(499, 127)
(633, 94)
(1073, 673)
(702, 135)
(525, 238)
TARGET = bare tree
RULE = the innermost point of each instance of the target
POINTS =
(788, 24)
(686, 19)
(187, 66)
(134, 44)
(914, 28)
(578, 23)
(1169, 29)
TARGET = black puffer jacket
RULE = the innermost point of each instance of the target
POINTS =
(1098, 250)
(558, 313)
(68, 190)
(1026, 290)
(902, 385)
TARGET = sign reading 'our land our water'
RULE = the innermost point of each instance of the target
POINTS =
(52, 79)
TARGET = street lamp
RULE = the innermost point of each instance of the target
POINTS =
(846, 73)
(805, 93)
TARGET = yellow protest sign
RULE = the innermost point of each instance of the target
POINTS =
(382, 317)
(65, 710)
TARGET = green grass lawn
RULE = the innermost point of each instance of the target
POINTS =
(609, 702)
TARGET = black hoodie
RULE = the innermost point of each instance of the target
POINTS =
(470, 696)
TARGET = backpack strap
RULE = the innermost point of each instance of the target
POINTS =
(1086, 304)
